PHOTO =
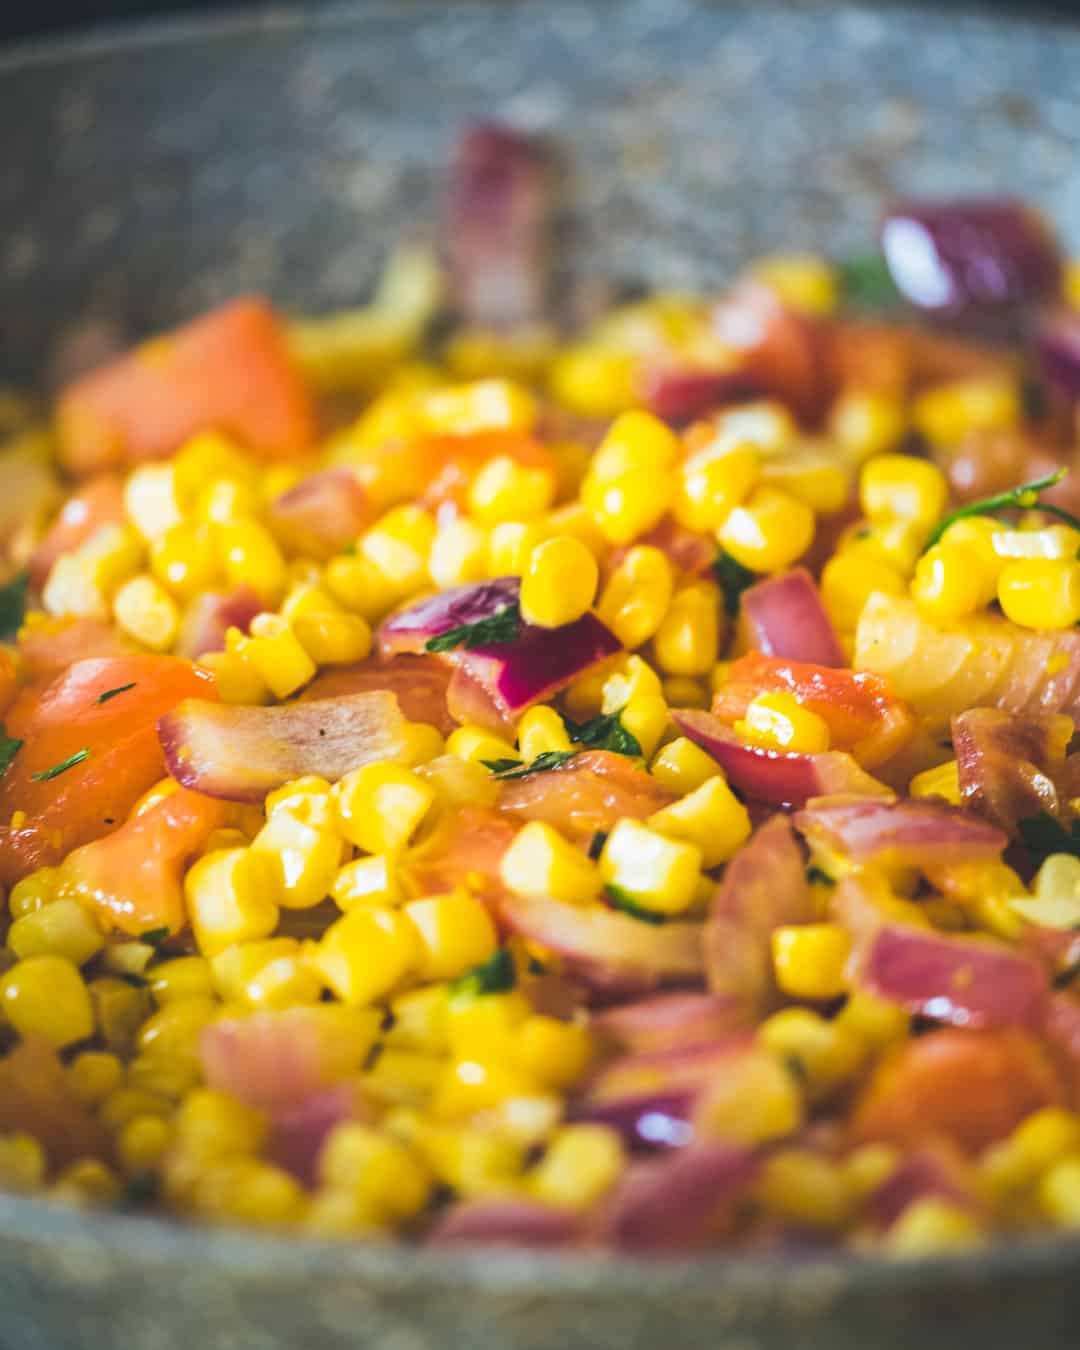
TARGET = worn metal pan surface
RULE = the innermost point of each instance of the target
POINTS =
(147, 172)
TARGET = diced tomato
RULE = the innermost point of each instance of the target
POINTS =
(7, 679)
(35, 1097)
(132, 878)
(971, 1087)
(124, 758)
(97, 503)
(49, 646)
(230, 370)
(862, 712)
(587, 793)
(459, 458)
(419, 683)
(875, 357)
(465, 848)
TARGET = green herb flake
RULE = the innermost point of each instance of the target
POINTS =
(626, 904)
(734, 578)
(46, 775)
(1024, 497)
(112, 693)
(550, 759)
(1043, 836)
(494, 976)
(596, 844)
(154, 937)
(501, 627)
(501, 766)
(817, 876)
(131, 977)
(865, 283)
(605, 732)
(9, 748)
(13, 604)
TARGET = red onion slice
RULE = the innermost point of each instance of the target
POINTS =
(933, 1171)
(903, 833)
(787, 619)
(211, 615)
(419, 683)
(680, 394)
(1004, 763)
(321, 514)
(672, 1021)
(457, 607)
(298, 1131)
(1057, 346)
(647, 1122)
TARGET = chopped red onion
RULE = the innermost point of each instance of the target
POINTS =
(298, 1131)
(680, 394)
(322, 514)
(1057, 346)
(787, 619)
(672, 1021)
(210, 615)
(907, 833)
(1004, 763)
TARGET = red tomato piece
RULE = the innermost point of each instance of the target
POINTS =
(459, 458)
(123, 757)
(49, 646)
(587, 793)
(230, 370)
(97, 503)
(465, 848)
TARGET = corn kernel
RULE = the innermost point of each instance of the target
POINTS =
(229, 899)
(542, 731)
(932, 1225)
(769, 532)
(511, 543)
(656, 872)
(903, 487)
(766, 426)
(628, 506)
(813, 474)
(171, 1079)
(646, 717)
(46, 996)
(755, 1100)
(554, 1054)
(456, 933)
(361, 586)
(778, 721)
(234, 966)
(1041, 593)
(681, 767)
(887, 539)
(333, 639)
(477, 744)
(635, 440)
(1052, 541)
(64, 928)
(459, 553)
(540, 861)
(688, 639)
(298, 852)
(35, 890)
(367, 952)
(484, 405)
(93, 1075)
(945, 415)
(681, 691)
(1059, 1193)
(372, 880)
(147, 612)
(593, 380)
(420, 1018)
(184, 561)
(207, 455)
(710, 816)
(285, 982)
(275, 652)
(399, 545)
(823, 1053)
(87, 1181)
(809, 959)
(150, 500)
(377, 1168)
(80, 583)
(142, 1144)
(559, 584)
(805, 1188)
(575, 520)
(950, 583)
(1036, 1145)
(467, 1086)
(505, 489)
(403, 1078)
(848, 580)
(579, 1168)
(460, 781)
(118, 1011)
(485, 1027)
(23, 1164)
(866, 422)
(802, 281)
(944, 781)
(249, 556)
(127, 1103)
(381, 805)
(637, 595)
(236, 680)
(174, 1030)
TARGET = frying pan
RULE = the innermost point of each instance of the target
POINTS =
(147, 172)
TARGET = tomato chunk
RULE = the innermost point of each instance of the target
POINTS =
(123, 759)
(459, 458)
(465, 848)
(47, 645)
(587, 793)
(861, 710)
(230, 370)
(97, 503)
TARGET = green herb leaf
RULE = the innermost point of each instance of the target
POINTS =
(550, 759)
(819, 876)
(596, 844)
(734, 578)
(13, 604)
(502, 626)
(494, 976)
(57, 769)
(866, 283)
(500, 766)
(154, 937)
(625, 902)
(1025, 496)
(1042, 836)
(131, 977)
(9, 748)
(112, 693)
(605, 732)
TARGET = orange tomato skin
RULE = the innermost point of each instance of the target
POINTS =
(457, 459)
(465, 848)
(131, 879)
(97, 503)
(230, 370)
(588, 793)
(52, 645)
(58, 719)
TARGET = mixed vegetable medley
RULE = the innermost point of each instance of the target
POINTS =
(477, 773)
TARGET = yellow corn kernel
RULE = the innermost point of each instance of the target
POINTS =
(631, 678)
(688, 639)
(1051, 541)
(36, 889)
(376, 1168)
(1071, 283)
(484, 405)
(802, 281)
(119, 1008)
(559, 584)
(126, 1103)
(1036, 1145)
(945, 415)
(646, 718)
(229, 898)
(654, 871)
(381, 805)
(755, 1100)
(813, 474)
(298, 852)
(823, 1053)
(978, 532)
(455, 931)
(541, 862)
(147, 612)
(399, 545)
(64, 928)
(170, 1078)
(80, 583)
(23, 1165)
(46, 996)
(1059, 1193)
(459, 553)
(485, 1027)
(710, 816)
(184, 561)
(403, 1078)
(594, 380)
(887, 539)
(504, 489)
(236, 680)
(275, 652)
(681, 767)
(150, 499)
(575, 520)
(174, 1030)
(766, 426)
(869, 1166)
(142, 1143)
(778, 721)
(477, 744)
(944, 781)
(541, 731)
(249, 556)
(459, 781)
(207, 455)
(866, 422)
(1041, 593)
(554, 1054)
(510, 546)
(249, 1192)
(234, 966)
(903, 487)
(420, 1020)
(478, 353)
(932, 1225)
(848, 580)
(635, 440)
(371, 880)
(637, 595)
(579, 1167)
(309, 791)
(363, 955)
(420, 742)
(769, 532)
(809, 959)
(184, 977)
(93, 1075)
(87, 1181)
(950, 583)
(332, 639)
(356, 582)
(466, 1086)
(225, 500)
(627, 506)
(806, 1188)
(680, 691)
(284, 982)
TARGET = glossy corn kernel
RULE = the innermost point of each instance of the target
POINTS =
(813, 474)
(360, 585)
(646, 717)
(23, 1164)
(951, 583)
(754, 1101)
(802, 281)
(1059, 1193)
(823, 1054)
(628, 506)
(944, 781)
(511, 544)
(688, 639)
(185, 561)
(456, 933)
(945, 415)
(485, 1027)
(540, 861)
(892, 540)
(126, 1103)
(459, 553)
(903, 487)
(805, 1188)
(331, 639)
(631, 678)
(230, 898)
(372, 880)
(119, 1008)
(848, 580)
(420, 1019)
(398, 546)
(710, 816)
(505, 489)
(655, 871)
(234, 966)
(310, 793)
(866, 422)
(45, 996)
(275, 652)
(1036, 1145)
(93, 1075)
(681, 767)
(64, 928)
(169, 1078)
(634, 441)
(236, 680)
(142, 1144)
(285, 982)
(367, 952)
(376, 1168)
(477, 744)
(381, 805)
(1051, 541)
(36, 889)
(553, 1053)
(1040, 593)
(559, 584)
(769, 532)
(484, 405)
(468, 1086)
(146, 611)
(579, 1167)
(206, 456)
(460, 781)
(778, 721)
(403, 1078)
(637, 595)
(249, 556)
(542, 731)
(173, 1031)
(298, 852)
(711, 483)
(931, 1225)
(809, 960)
(681, 691)
(575, 520)
(151, 501)
(594, 380)
(81, 583)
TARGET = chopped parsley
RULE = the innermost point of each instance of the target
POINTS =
(605, 732)
(1042, 836)
(13, 604)
(626, 904)
(818, 876)
(514, 768)
(1025, 496)
(57, 769)
(154, 937)
(867, 284)
(494, 976)
(112, 693)
(596, 844)
(500, 627)
(734, 578)
(9, 748)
